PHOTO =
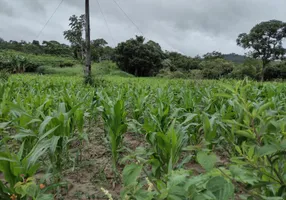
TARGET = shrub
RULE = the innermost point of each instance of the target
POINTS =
(242, 71)
(215, 69)
(196, 74)
(276, 71)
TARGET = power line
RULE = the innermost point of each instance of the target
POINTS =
(106, 22)
(136, 25)
(128, 17)
(50, 18)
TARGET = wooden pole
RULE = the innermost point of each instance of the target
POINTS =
(87, 39)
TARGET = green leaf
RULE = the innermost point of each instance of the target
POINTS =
(220, 188)
(44, 124)
(267, 150)
(21, 150)
(45, 197)
(207, 161)
(3, 125)
(164, 194)
(243, 175)
(264, 107)
(54, 143)
(245, 133)
(23, 134)
(38, 150)
(7, 159)
(131, 173)
(31, 189)
(48, 133)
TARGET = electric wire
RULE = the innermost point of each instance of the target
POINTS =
(39, 34)
(106, 23)
(128, 17)
(137, 27)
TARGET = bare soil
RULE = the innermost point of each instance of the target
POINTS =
(94, 171)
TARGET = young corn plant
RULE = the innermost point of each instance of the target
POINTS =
(16, 167)
(64, 122)
(138, 103)
(166, 141)
(114, 116)
(167, 148)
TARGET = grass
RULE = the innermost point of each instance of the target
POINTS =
(98, 69)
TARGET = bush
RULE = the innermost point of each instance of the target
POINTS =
(215, 69)
(276, 71)
(196, 74)
(243, 71)
(167, 63)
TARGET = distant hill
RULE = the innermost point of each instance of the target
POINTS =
(234, 58)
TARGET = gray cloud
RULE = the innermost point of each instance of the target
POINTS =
(5, 8)
(189, 26)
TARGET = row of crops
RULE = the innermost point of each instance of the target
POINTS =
(233, 132)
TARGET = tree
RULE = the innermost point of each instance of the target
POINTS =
(55, 48)
(213, 55)
(36, 42)
(265, 41)
(215, 69)
(182, 62)
(108, 53)
(75, 35)
(275, 71)
(139, 58)
(97, 49)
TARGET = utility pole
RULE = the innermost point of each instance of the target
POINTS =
(87, 39)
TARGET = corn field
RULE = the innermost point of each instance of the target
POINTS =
(197, 140)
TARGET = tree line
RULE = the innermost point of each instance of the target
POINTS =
(264, 61)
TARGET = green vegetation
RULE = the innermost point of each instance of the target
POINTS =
(18, 62)
(265, 41)
(141, 58)
(98, 70)
(168, 139)
(124, 137)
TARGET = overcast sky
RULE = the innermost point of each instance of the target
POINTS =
(191, 27)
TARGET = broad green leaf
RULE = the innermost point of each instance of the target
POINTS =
(220, 188)
(267, 150)
(207, 161)
(31, 189)
(131, 173)
(243, 175)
